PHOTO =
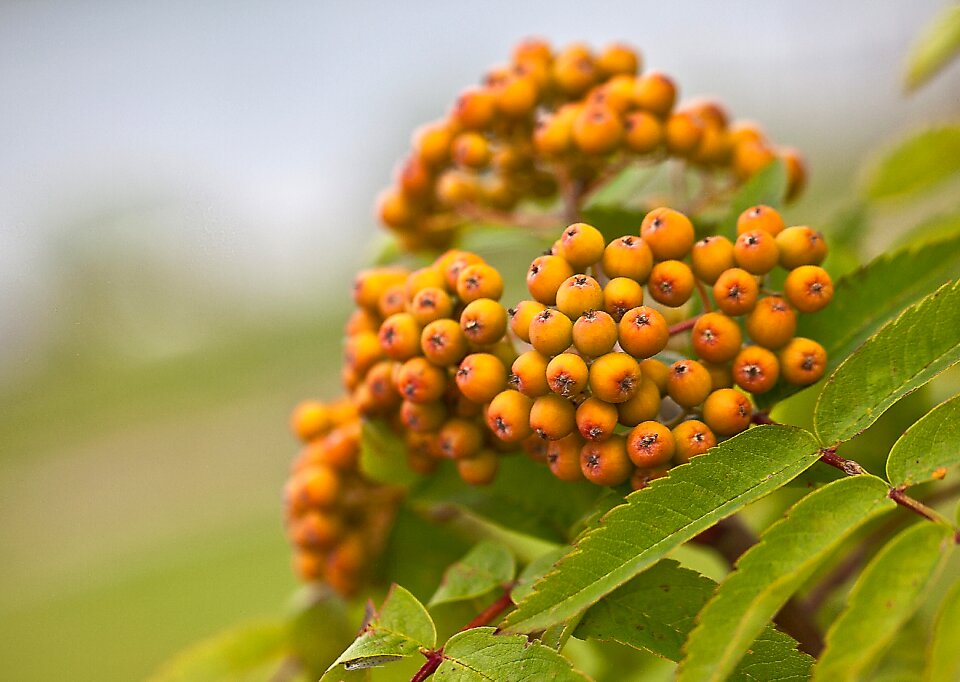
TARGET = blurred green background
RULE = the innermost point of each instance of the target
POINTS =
(184, 192)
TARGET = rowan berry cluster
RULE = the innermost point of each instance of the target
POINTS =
(336, 519)
(558, 122)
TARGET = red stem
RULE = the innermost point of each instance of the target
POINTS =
(681, 327)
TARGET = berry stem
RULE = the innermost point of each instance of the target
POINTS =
(434, 659)
(704, 297)
(681, 327)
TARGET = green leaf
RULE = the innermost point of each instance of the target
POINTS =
(656, 610)
(535, 570)
(943, 663)
(768, 186)
(917, 164)
(772, 570)
(479, 655)
(904, 658)
(865, 300)
(486, 567)
(654, 520)
(525, 498)
(614, 220)
(900, 358)
(882, 600)
(937, 46)
(940, 226)
(248, 652)
(932, 443)
(383, 455)
(401, 628)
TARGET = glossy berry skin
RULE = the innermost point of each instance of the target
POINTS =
(643, 405)
(756, 252)
(479, 281)
(716, 338)
(803, 361)
(692, 438)
(643, 132)
(688, 383)
(710, 257)
(563, 458)
(567, 374)
(772, 323)
(443, 342)
(755, 369)
(521, 315)
(671, 283)
(578, 294)
(551, 332)
(620, 295)
(508, 416)
(650, 444)
(808, 288)
(596, 419)
(429, 304)
(481, 376)
(683, 133)
(736, 292)
(614, 377)
(552, 417)
(727, 412)
(655, 92)
(459, 438)
(420, 381)
(801, 245)
(606, 462)
(581, 245)
(628, 256)
(484, 322)
(310, 419)
(643, 332)
(760, 217)
(668, 233)
(545, 276)
(597, 130)
(529, 374)
(594, 333)
(422, 417)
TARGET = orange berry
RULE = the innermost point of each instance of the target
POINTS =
(644, 132)
(415, 179)
(581, 245)
(399, 336)
(309, 565)
(481, 376)
(657, 372)
(808, 288)
(772, 323)
(517, 95)
(692, 438)
(567, 374)
(689, 383)
(796, 172)
(529, 374)
(655, 92)
(484, 321)
(521, 315)
(755, 369)
(315, 486)
(429, 277)
(614, 377)
(395, 209)
(756, 252)
(551, 332)
(470, 150)
(563, 458)
(683, 133)
(760, 217)
(710, 257)
(596, 419)
(545, 276)
(392, 301)
(716, 337)
(573, 70)
(643, 332)
(475, 108)
(642, 406)
(362, 320)
(801, 245)
(508, 416)
(316, 530)
(597, 130)
(578, 294)
(618, 59)
(628, 256)
(362, 351)
(420, 381)
(453, 262)
(309, 420)
(455, 187)
(536, 448)
(727, 412)
(641, 478)
(721, 375)
(459, 438)
(422, 417)
(430, 304)
(479, 281)
(751, 156)
(668, 233)
(443, 342)
(369, 285)
(671, 283)
(620, 295)
(481, 469)
(606, 462)
(552, 417)
(431, 143)
(594, 333)
(379, 383)
(803, 361)
(553, 133)
(649, 444)
(735, 292)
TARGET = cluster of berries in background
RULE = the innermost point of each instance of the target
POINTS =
(551, 125)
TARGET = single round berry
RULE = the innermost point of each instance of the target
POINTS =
(642, 406)
(692, 438)
(529, 374)
(727, 412)
(620, 295)
(735, 292)
(801, 245)
(484, 322)
(772, 323)
(657, 372)
(421, 381)
(563, 458)
(644, 133)
(471, 150)
(655, 92)
(668, 233)
(545, 276)
(606, 462)
(429, 277)
(552, 417)
(567, 374)
(594, 333)
(481, 469)
(760, 217)
(474, 109)
(459, 438)
(479, 281)
(617, 59)
(803, 361)
(508, 416)
(551, 332)
(671, 283)
(521, 315)
(316, 530)
(755, 369)
(597, 130)
(581, 245)
(429, 304)
(453, 262)
(481, 376)
(596, 419)
(711, 256)
(643, 332)
(688, 383)
(614, 377)
(315, 486)
(683, 133)
(423, 417)
(443, 342)
(756, 252)
(399, 336)
(392, 301)
(650, 443)
(716, 338)
(628, 256)
(578, 294)
(808, 288)
(310, 419)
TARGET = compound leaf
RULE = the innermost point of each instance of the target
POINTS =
(928, 448)
(900, 358)
(487, 566)
(943, 664)
(479, 655)
(772, 570)
(918, 163)
(654, 520)
(882, 601)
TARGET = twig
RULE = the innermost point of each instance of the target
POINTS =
(681, 327)
(900, 497)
